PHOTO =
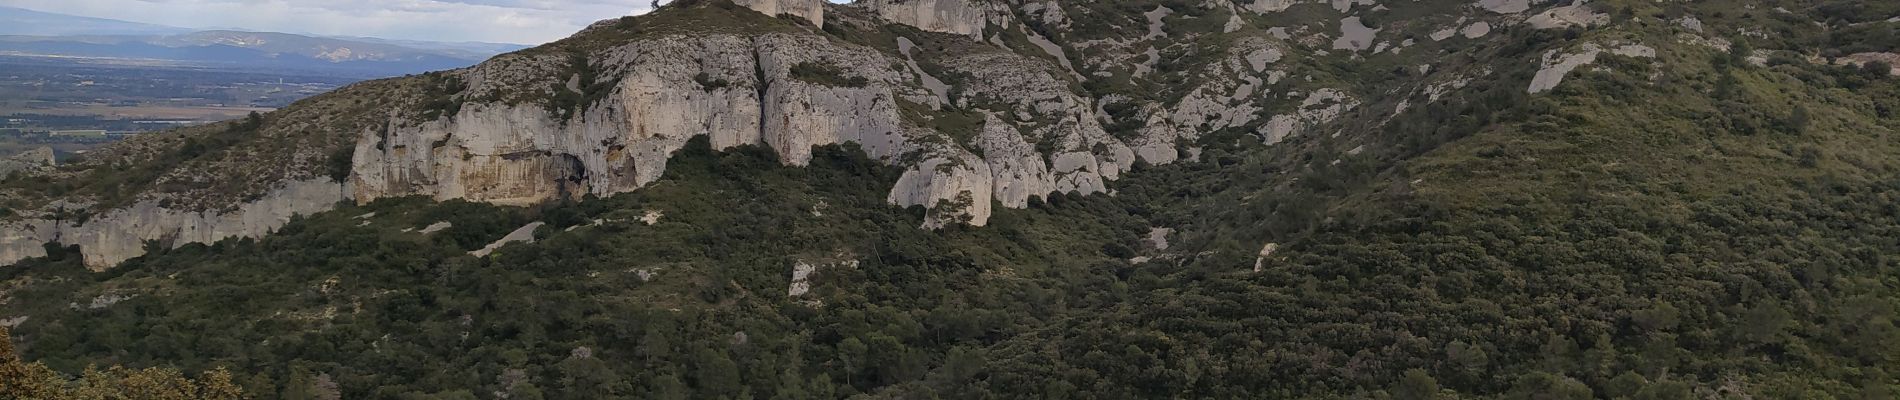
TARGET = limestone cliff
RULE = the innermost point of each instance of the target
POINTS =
(119, 235)
(517, 154)
(960, 17)
(982, 104)
(810, 10)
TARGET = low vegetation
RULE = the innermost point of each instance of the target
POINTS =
(1693, 225)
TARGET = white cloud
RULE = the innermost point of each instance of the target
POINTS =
(509, 21)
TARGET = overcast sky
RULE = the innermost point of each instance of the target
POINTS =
(505, 21)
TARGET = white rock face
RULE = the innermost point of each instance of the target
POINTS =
(940, 91)
(956, 187)
(961, 17)
(1505, 6)
(1155, 22)
(1477, 30)
(110, 238)
(810, 10)
(436, 227)
(1260, 262)
(1158, 238)
(1568, 16)
(802, 272)
(1270, 6)
(1354, 35)
(1691, 23)
(524, 234)
(1557, 65)
(1018, 170)
(523, 155)
(1259, 58)
(1443, 34)
(1320, 107)
(801, 279)
(1227, 98)
(736, 90)
(1273, 6)
(1081, 156)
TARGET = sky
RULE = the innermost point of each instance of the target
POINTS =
(499, 21)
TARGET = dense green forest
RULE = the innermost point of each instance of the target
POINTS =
(1698, 225)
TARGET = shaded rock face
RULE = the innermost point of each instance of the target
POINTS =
(108, 239)
(26, 161)
(809, 10)
(960, 17)
(525, 154)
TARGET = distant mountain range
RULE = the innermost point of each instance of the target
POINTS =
(35, 33)
(20, 21)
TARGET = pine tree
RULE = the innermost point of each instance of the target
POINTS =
(1416, 385)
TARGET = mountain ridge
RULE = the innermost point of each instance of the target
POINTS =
(1141, 199)
(239, 48)
(20, 21)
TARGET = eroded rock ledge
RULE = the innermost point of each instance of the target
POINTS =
(736, 89)
(108, 239)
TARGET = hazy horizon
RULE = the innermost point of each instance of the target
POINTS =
(526, 22)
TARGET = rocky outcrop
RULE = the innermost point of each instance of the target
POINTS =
(1556, 64)
(1273, 6)
(1320, 107)
(524, 234)
(523, 154)
(1354, 35)
(960, 17)
(1260, 261)
(741, 90)
(110, 238)
(1229, 97)
(1042, 110)
(1862, 59)
(502, 145)
(956, 188)
(809, 10)
(1505, 6)
(803, 271)
(602, 117)
(27, 161)
(1568, 16)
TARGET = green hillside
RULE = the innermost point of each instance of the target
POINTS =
(1706, 222)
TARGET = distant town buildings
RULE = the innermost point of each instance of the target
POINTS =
(80, 133)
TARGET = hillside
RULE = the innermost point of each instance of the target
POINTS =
(1006, 199)
(20, 21)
